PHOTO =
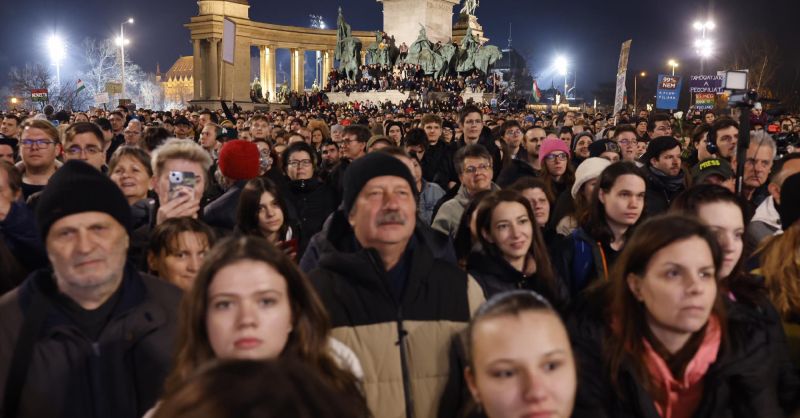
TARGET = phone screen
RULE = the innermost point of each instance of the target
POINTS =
(181, 182)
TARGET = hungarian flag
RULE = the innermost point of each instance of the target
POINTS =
(537, 94)
(81, 86)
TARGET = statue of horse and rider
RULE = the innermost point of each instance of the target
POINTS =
(348, 49)
(437, 60)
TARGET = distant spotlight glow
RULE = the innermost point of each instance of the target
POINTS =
(130, 20)
(561, 65)
(707, 25)
(56, 48)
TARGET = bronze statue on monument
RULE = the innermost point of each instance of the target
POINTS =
(469, 7)
(348, 49)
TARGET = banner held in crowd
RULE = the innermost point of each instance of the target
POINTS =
(705, 101)
(706, 83)
(668, 92)
(622, 68)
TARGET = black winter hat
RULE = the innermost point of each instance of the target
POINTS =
(789, 209)
(78, 187)
(372, 165)
(603, 145)
(182, 120)
(658, 145)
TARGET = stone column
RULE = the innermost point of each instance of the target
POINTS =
(363, 56)
(198, 74)
(327, 66)
(298, 60)
(213, 61)
(267, 70)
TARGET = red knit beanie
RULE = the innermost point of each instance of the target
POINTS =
(239, 160)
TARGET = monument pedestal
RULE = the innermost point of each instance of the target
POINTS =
(402, 19)
(465, 22)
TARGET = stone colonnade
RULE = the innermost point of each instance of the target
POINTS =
(216, 79)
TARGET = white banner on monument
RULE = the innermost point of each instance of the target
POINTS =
(622, 69)
(228, 40)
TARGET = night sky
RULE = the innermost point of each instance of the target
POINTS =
(588, 33)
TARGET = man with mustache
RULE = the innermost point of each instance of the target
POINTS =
(665, 178)
(88, 335)
(386, 291)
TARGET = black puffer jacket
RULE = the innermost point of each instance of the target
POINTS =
(311, 202)
(739, 384)
(496, 275)
(751, 304)
(120, 374)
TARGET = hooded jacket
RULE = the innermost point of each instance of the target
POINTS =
(120, 374)
(765, 223)
(403, 343)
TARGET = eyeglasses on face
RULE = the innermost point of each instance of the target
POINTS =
(38, 143)
(299, 163)
(560, 156)
(473, 169)
(90, 150)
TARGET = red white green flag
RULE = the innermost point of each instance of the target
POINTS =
(537, 94)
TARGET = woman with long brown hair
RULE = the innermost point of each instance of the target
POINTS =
(249, 301)
(724, 213)
(616, 206)
(512, 254)
(655, 340)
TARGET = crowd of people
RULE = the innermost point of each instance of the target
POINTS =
(405, 77)
(390, 261)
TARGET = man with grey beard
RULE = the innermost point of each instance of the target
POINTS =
(387, 293)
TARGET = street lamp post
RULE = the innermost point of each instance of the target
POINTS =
(122, 41)
(635, 90)
(56, 48)
(562, 66)
(704, 45)
(673, 64)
